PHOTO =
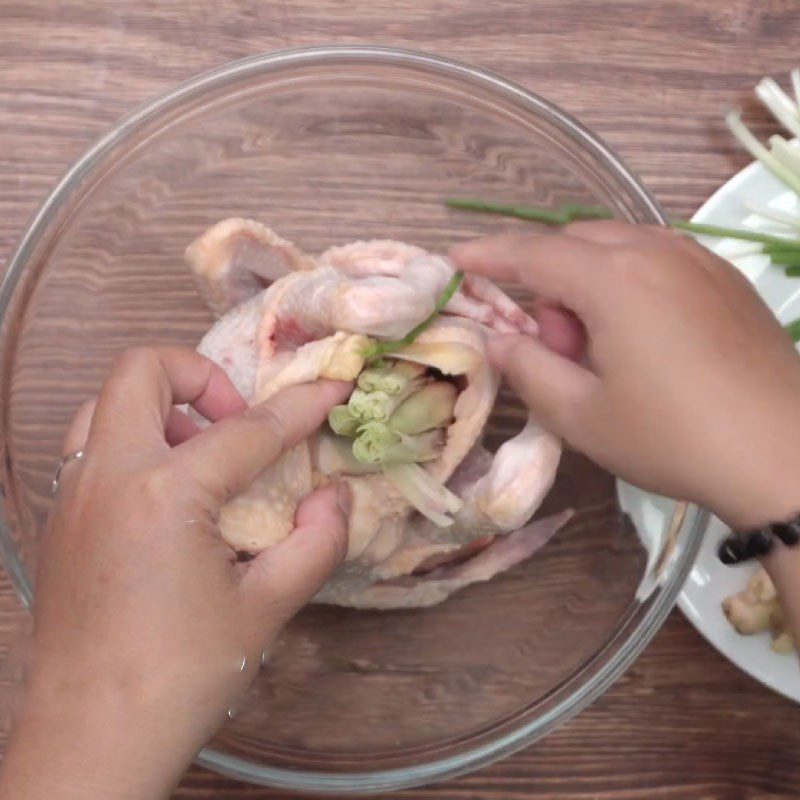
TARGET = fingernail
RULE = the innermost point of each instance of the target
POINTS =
(344, 498)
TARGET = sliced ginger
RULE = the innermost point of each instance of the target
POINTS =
(756, 609)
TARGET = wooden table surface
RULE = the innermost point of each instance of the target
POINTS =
(651, 76)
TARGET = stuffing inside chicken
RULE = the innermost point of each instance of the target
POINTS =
(433, 511)
(756, 609)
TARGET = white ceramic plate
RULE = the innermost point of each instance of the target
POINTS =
(709, 581)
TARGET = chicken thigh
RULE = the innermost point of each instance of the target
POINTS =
(287, 318)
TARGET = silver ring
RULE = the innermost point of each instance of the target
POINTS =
(76, 456)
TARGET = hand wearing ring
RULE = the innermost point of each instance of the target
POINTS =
(147, 627)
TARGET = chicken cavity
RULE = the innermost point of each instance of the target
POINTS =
(287, 318)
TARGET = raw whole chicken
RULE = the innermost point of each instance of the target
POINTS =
(286, 317)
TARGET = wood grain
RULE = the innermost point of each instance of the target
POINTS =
(653, 77)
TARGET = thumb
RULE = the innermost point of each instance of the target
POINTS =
(283, 578)
(555, 389)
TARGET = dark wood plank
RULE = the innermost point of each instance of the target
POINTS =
(653, 77)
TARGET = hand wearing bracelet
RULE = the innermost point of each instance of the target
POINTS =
(741, 546)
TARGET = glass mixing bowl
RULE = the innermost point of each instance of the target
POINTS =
(329, 145)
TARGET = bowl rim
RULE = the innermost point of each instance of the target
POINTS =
(629, 645)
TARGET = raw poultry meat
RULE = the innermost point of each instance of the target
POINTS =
(286, 317)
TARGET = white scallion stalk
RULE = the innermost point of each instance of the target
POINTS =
(374, 439)
(796, 84)
(736, 248)
(415, 449)
(431, 498)
(335, 457)
(780, 104)
(734, 121)
(773, 214)
(786, 153)
(377, 444)
(436, 491)
(392, 378)
(378, 406)
(342, 421)
(431, 407)
(370, 406)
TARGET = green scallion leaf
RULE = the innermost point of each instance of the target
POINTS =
(783, 251)
(569, 212)
(382, 348)
(793, 329)
(573, 211)
(577, 211)
(779, 249)
(786, 258)
(735, 233)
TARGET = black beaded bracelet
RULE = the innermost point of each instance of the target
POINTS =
(741, 546)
